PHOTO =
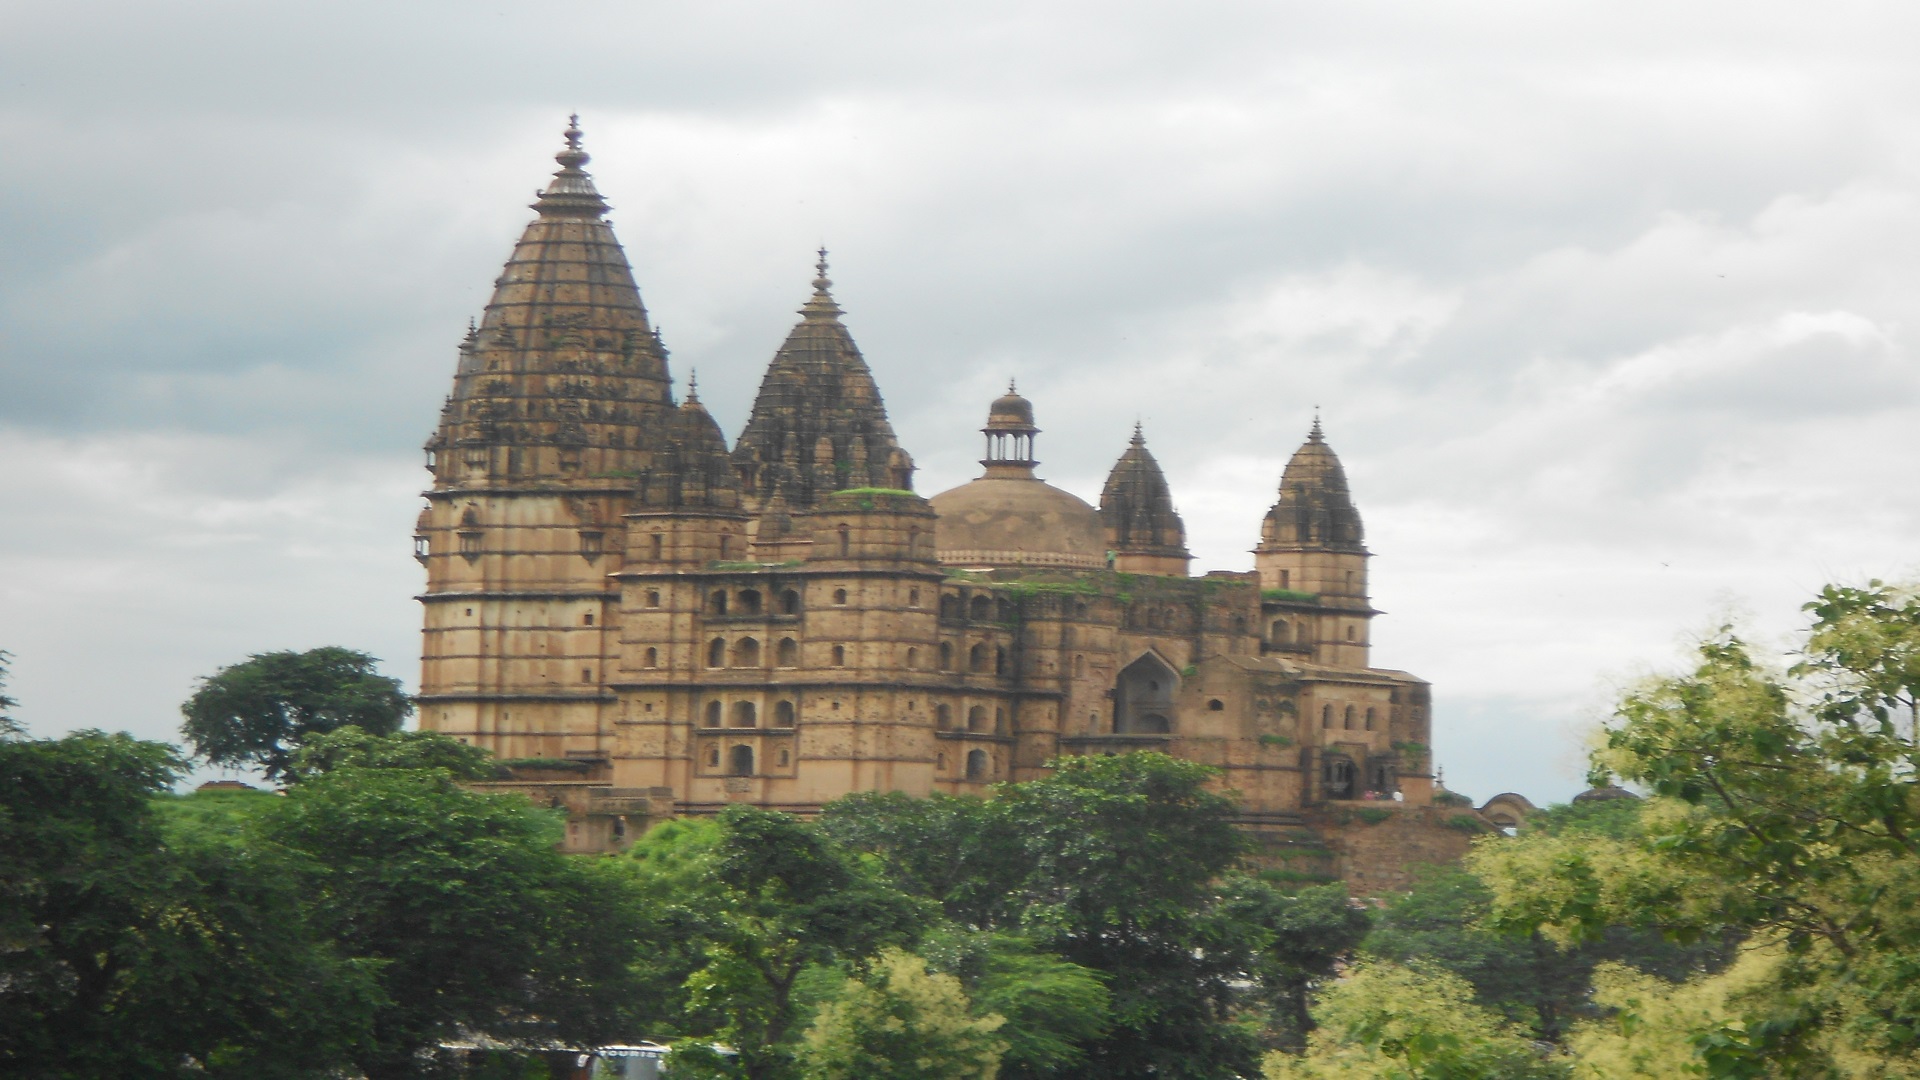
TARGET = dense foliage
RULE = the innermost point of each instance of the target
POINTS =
(258, 713)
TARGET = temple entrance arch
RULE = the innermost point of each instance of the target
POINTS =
(1143, 697)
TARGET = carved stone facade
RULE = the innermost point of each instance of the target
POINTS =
(654, 623)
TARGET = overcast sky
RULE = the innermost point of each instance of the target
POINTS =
(1609, 308)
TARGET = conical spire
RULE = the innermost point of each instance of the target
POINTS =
(818, 424)
(1315, 506)
(562, 378)
(1137, 506)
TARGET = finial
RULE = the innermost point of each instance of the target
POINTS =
(1139, 439)
(821, 305)
(573, 157)
(1315, 435)
(693, 386)
(820, 280)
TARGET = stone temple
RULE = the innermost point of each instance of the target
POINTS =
(648, 621)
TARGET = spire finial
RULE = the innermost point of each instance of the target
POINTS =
(1013, 387)
(821, 305)
(1139, 438)
(1315, 434)
(573, 157)
(693, 386)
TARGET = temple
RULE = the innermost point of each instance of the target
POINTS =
(644, 621)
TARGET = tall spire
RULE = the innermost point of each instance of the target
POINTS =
(1136, 506)
(818, 425)
(563, 378)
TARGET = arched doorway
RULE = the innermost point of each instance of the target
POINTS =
(1143, 697)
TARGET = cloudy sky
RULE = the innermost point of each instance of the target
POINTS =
(1609, 307)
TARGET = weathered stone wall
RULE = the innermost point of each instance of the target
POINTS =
(1378, 847)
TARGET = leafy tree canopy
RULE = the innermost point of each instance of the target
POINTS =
(355, 747)
(901, 1022)
(257, 713)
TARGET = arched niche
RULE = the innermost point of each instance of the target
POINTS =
(1143, 697)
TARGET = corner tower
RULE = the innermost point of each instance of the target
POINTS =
(1313, 547)
(1144, 532)
(559, 397)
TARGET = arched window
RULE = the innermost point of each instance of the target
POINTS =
(1143, 698)
(977, 658)
(1337, 776)
(1281, 632)
(940, 762)
(999, 721)
(653, 657)
(1326, 716)
(949, 607)
(713, 757)
(713, 713)
(655, 545)
(726, 546)
(1216, 705)
(653, 598)
(846, 542)
(839, 656)
(943, 717)
(786, 756)
(981, 610)
(1003, 610)
(1079, 667)
(913, 659)
(977, 719)
(913, 597)
(839, 596)
(790, 603)
(743, 714)
(746, 653)
(787, 653)
(946, 656)
(1350, 636)
(978, 766)
(783, 714)
(750, 602)
(999, 661)
(740, 761)
(717, 653)
(717, 603)
(1346, 721)
(1370, 718)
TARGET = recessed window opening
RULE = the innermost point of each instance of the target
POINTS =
(783, 714)
(1326, 716)
(977, 658)
(913, 659)
(750, 602)
(978, 767)
(790, 603)
(943, 717)
(587, 619)
(713, 714)
(787, 653)
(839, 656)
(1370, 718)
(1216, 705)
(655, 545)
(740, 761)
(653, 598)
(717, 653)
(743, 714)
(913, 597)
(977, 719)
(717, 603)
(713, 757)
(981, 610)
(846, 542)
(746, 653)
(839, 596)
(946, 656)
(1347, 721)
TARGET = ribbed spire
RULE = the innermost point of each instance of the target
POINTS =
(818, 424)
(1136, 505)
(562, 378)
(1315, 507)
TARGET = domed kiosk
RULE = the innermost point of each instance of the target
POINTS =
(1011, 518)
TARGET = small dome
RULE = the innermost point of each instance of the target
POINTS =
(1010, 411)
(1604, 794)
(1007, 521)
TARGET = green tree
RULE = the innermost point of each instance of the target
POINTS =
(466, 908)
(1053, 1008)
(900, 1022)
(764, 898)
(1784, 810)
(1296, 942)
(1113, 864)
(355, 747)
(258, 712)
(1387, 1022)
(9, 724)
(132, 947)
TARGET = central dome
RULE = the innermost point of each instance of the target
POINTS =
(1010, 518)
